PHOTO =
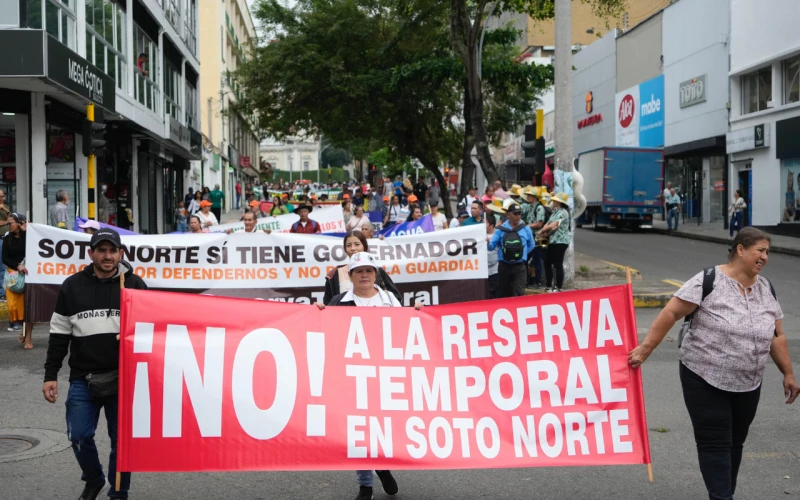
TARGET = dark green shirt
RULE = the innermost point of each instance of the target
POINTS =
(215, 197)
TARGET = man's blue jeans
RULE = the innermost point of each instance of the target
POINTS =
(83, 412)
(673, 214)
(364, 477)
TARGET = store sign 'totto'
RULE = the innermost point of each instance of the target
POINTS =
(692, 92)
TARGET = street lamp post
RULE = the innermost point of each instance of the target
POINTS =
(479, 55)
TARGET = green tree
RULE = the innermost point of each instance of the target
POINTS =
(336, 157)
(512, 91)
(358, 71)
(467, 18)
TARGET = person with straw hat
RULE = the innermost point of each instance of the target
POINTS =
(558, 228)
(534, 215)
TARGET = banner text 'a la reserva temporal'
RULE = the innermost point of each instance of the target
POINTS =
(230, 384)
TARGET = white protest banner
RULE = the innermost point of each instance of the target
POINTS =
(330, 219)
(439, 267)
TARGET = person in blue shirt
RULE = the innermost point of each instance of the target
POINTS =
(513, 241)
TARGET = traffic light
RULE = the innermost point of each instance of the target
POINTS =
(94, 131)
(446, 170)
(534, 152)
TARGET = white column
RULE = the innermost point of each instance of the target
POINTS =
(777, 85)
(182, 92)
(130, 53)
(80, 25)
(160, 82)
(38, 170)
(23, 163)
(133, 197)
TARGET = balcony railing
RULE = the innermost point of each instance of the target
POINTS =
(147, 93)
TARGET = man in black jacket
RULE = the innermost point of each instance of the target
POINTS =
(86, 323)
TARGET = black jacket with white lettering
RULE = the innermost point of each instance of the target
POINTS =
(85, 322)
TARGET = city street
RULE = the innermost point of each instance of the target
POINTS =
(771, 468)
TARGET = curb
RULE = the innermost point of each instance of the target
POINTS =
(725, 241)
(640, 300)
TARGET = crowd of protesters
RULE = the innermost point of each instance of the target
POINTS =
(528, 232)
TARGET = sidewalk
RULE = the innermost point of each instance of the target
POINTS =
(595, 273)
(231, 216)
(713, 232)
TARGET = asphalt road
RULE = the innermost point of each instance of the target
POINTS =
(663, 257)
(771, 468)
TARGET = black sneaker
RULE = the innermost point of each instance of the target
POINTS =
(364, 493)
(90, 491)
(388, 482)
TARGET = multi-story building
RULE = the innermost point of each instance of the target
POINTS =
(588, 27)
(230, 139)
(137, 62)
(765, 112)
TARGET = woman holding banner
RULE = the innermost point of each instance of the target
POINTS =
(207, 217)
(733, 324)
(14, 259)
(338, 279)
(358, 219)
(277, 207)
(364, 273)
(392, 216)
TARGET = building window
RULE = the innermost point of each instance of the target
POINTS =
(757, 90)
(105, 39)
(305, 165)
(191, 106)
(172, 85)
(190, 24)
(172, 13)
(146, 90)
(791, 83)
(60, 21)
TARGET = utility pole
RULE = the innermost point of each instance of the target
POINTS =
(563, 97)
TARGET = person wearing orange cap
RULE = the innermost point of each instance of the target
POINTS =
(207, 217)
(287, 203)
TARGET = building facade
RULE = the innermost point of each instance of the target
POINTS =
(594, 85)
(696, 98)
(230, 139)
(765, 112)
(294, 156)
(136, 61)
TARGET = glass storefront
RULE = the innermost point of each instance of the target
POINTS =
(61, 171)
(686, 176)
(790, 189)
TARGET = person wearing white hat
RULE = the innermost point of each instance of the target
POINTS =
(367, 292)
(558, 227)
(90, 226)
